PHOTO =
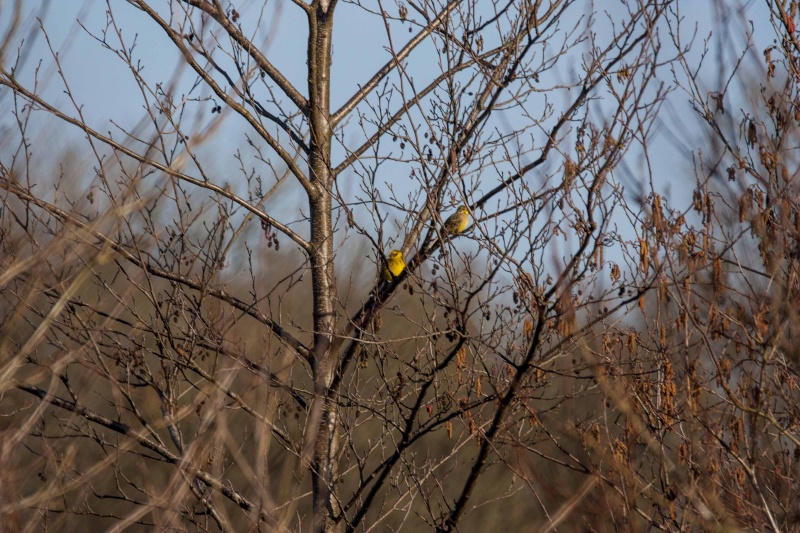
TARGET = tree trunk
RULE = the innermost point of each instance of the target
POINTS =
(324, 472)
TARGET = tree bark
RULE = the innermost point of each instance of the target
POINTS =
(324, 416)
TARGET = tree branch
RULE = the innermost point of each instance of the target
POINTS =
(276, 328)
(9, 81)
(231, 29)
(123, 429)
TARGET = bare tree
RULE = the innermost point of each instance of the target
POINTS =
(195, 347)
(733, 282)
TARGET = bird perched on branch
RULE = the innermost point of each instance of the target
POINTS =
(394, 266)
(457, 222)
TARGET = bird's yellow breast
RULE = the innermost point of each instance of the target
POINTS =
(394, 266)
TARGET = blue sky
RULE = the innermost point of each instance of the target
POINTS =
(98, 78)
(102, 84)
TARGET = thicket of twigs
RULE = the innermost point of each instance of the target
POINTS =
(196, 337)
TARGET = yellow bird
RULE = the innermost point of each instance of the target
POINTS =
(458, 221)
(394, 267)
